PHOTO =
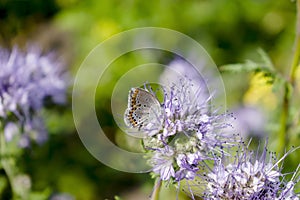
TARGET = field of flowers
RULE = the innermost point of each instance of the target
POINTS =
(156, 99)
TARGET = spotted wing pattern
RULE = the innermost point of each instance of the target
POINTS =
(144, 110)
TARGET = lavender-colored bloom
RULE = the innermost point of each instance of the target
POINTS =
(189, 134)
(10, 130)
(26, 81)
(248, 177)
(181, 69)
(249, 121)
(163, 163)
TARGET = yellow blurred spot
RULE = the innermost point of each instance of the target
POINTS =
(260, 92)
(104, 29)
(272, 22)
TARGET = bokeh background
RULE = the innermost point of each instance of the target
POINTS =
(230, 30)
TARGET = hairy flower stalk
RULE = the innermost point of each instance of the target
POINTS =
(27, 81)
(187, 135)
(249, 176)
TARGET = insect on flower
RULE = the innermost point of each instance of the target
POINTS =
(144, 111)
(177, 133)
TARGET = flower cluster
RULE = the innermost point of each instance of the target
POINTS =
(188, 134)
(27, 81)
(249, 177)
(186, 139)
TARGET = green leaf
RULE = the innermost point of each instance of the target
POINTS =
(265, 67)
(266, 59)
(248, 66)
(251, 66)
(239, 67)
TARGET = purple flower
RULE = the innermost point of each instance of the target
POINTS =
(248, 176)
(162, 161)
(27, 80)
(189, 134)
(180, 68)
(249, 121)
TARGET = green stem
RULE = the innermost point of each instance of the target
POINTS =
(283, 131)
(6, 163)
(156, 190)
(283, 136)
(296, 58)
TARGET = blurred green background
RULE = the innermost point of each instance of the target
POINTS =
(230, 30)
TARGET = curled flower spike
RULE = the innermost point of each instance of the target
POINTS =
(249, 177)
(27, 80)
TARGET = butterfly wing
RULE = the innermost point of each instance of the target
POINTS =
(144, 111)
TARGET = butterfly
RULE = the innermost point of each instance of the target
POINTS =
(144, 111)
